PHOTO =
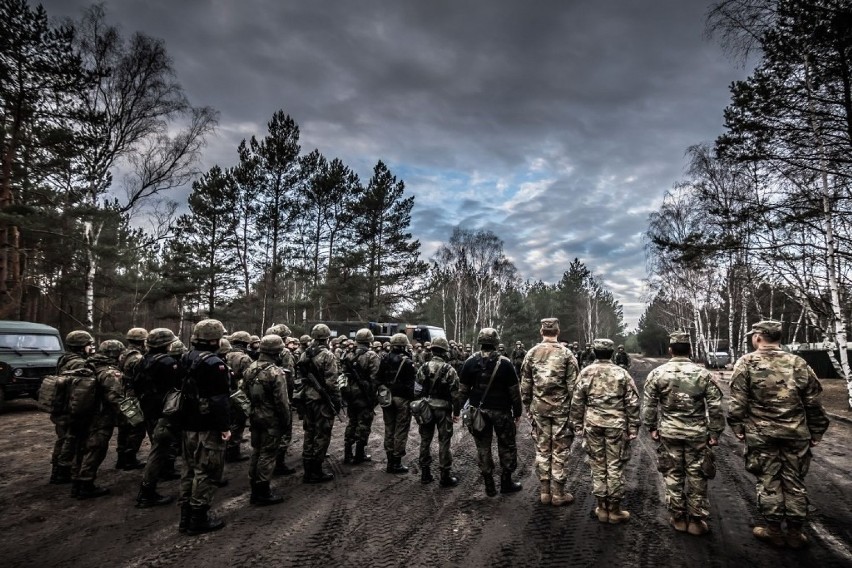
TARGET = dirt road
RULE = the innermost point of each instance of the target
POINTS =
(366, 517)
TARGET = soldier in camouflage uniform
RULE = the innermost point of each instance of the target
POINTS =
(518, 354)
(238, 360)
(80, 345)
(265, 383)
(130, 438)
(362, 369)
(587, 356)
(288, 365)
(683, 411)
(320, 397)
(605, 410)
(548, 374)
(775, 409)
(397, 372)
(253, 346)
(439, 382)
(205, 421)
(501, 407)
(621, 358)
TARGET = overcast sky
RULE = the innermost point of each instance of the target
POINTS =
(557, 124)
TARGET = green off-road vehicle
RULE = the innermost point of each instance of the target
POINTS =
(28, 352)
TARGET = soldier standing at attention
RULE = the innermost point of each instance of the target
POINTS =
(397, 373)
(288, 365)
(605, 410)
(501, 407)
(205, 420)
(129, 438)
(548, 374)
(683, 411)
(362, 368)
(775, 409)
(238, 359)
(265, 383)
(621, 358)
(318, 370)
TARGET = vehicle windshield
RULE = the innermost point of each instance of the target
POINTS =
(435, 333)
(30, 342)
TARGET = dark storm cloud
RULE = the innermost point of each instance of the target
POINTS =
(558, 125)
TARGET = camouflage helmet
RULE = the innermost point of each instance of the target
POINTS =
(224, 346)
(279, 329)
(138, 334)
(377, 345)
(177, 348)
(440, 343)
(320, 332)
(79, 338)
(160, 337)
(488, 336)
(208, 330)
(501, 346)
(305, 339)
(240, 337)
(254, 339)
(111, 348)
(271, 344)
(399, 340)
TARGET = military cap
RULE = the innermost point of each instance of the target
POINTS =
(765, 326)
(603, 344)
(550, 324)
(679, 337)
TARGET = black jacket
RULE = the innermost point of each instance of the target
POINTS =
(504, 394)
(205, 378)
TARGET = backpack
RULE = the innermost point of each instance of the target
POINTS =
(82, 392)
(53, 393)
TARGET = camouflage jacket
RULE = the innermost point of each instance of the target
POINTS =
(775, 394)
(128, 363)
(548, 374)
(238, 361)
(110, 390)
(605, 396)
(70, 361)
(439, 381)
(266, 385)
(322, 364)
(682, 401)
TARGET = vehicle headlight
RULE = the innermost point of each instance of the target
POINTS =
(19, 372)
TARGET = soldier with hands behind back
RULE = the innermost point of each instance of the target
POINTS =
(397, 373)
(362, 370)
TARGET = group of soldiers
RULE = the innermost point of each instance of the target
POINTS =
(197, 402)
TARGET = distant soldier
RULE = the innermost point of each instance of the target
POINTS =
(362, 369)
(320, 395)
(548, 374)
(288, 365)
(438, 382)
(129, 438)
(775, 409)
(205, 421)
(238, 360)
(253, 347)
(79, 346)
(518, 354)
(683, 411)
(575, 348)
(265, 383)
(398, 373)
(621, 358)
(605, 410)
(587, 357)
(489, 382)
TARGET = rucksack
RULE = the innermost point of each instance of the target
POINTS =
(82, 392)
(53, 393)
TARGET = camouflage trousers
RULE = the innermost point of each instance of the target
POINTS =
(553, 437)
(360, 424)
(317, 425)
(92, 446)
(165, 438)
(238, 426)
(65, 446)
(686, 485)
(442, 421)
(609, 452)
(502, 425)
(203, 465)
(264, 449)
(780, 467)
(129, 439)
(397, 424)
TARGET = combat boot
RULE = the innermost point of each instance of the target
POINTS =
(397, 466)
(490, 488)
(391, 462)
(201, 522)
(426, 475)
(131, 462)
(560, 496)
(75, 488)
(770, 533)
(185, 513)
(232, 454)
(88, 490)
(616, 513)
(148, 497)
(314, 472)
(796, 538)
(348, 455)
(262, 495)
(697, 526)
(169, 473)
(120, 461)
(507, 485)
(281, 466)
(678, 522)
(545, 496)
(602, 510)
(361, 455)
(60, 475)
(447, 478)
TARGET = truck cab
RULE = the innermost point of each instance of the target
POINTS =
(28, 352)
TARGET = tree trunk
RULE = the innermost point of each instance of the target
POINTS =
(839, 321)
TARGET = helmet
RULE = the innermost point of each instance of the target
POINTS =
(501, 346)
(111, 348)
(377, 345)
(399, 340)
(240, 337)
(305, 339)
(280, 329)
(208, 330)
(488, 336)
(224, 346)
(320, 331)
(271, 344)
(137, 334)
(177, 348)
(160, 337)
(621, 346)
(79, 338)
(440, 343)
(254, 339)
